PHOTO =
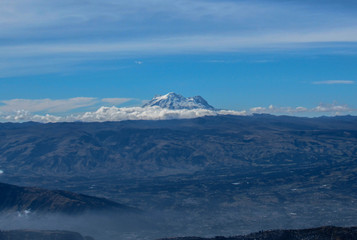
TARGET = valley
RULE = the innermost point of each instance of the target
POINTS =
(225, 175)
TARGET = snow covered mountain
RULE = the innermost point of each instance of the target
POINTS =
(177, 101)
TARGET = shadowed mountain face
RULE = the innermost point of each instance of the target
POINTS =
(152, 148)
(43, 235)
(26, 199)
(322, 233)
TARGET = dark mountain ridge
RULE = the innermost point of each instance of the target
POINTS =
(321, 233)
(29, 199)
(41, 235)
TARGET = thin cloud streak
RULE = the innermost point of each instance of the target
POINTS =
(332, 82)
(186, 44)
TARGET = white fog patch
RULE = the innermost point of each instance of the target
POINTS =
(24, 213)
(1, 171)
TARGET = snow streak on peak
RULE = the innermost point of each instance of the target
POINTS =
(176, 101)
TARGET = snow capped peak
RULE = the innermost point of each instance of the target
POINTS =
(176, 101)
(170, 95)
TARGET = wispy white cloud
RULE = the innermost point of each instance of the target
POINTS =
(73, 18)
(186, 44)
(49, 105)
(258, 110)
(332, 108)
(24, 106)
(73, 31)
(330, 82)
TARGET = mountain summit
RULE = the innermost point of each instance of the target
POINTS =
(177, 101)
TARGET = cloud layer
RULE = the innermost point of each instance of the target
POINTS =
(116, 114)
(156, 113)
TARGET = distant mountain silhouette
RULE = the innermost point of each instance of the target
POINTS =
(321, 233)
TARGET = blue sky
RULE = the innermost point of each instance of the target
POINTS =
(63, 57)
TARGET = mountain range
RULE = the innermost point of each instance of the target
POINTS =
(150, 148)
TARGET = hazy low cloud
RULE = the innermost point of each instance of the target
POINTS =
(333, 109)
(116, 101)
(281, 110)
(330, 82)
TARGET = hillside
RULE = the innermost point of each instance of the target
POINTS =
(25, 200)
